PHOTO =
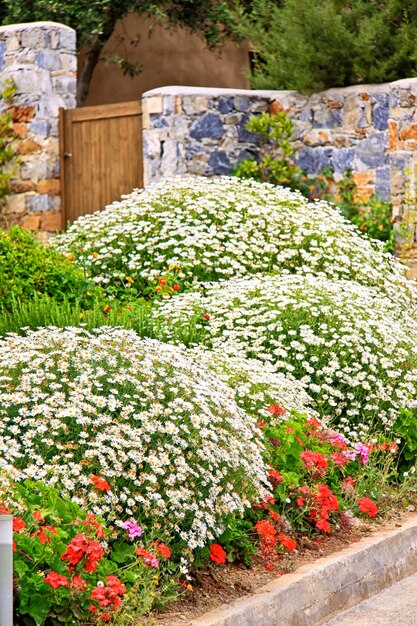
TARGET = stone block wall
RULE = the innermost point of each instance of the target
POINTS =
(40, 58)
(371, 130)
(198, 131)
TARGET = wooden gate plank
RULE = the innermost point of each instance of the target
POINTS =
(105, 144)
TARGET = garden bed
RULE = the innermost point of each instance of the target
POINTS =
(214, 587)
(217, 385)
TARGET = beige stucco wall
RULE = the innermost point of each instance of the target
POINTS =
(169, 57)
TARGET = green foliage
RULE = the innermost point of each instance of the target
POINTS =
(50, 588)
(28, 268)
(276, 164)
(372, 216)
(8, 154)
(51, 311)
(94, 20)
(309, 45)
(405, 427)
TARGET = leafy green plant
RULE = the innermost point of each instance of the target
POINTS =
(44, 310)
(405, 427)
(276, 164)
(70, 569)
(29, 268)
(9, 160)
(372, 216)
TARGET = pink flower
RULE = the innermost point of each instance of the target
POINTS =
(363, 451)
(133, 530)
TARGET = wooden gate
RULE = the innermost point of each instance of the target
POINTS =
(101, 156)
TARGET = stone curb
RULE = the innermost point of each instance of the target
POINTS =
(319, 591)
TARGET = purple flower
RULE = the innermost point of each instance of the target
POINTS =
(133, 530)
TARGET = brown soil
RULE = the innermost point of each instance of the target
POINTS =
(213, 586)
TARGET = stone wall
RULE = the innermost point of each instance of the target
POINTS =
(371, 130)
(40, 58)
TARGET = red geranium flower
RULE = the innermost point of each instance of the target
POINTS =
(366, 505)
(43, 537)
(323, 525)
(107, 596)
(92, 523)
(114, 583)
(147, 557)
(80, 548)
(265, 528)
(100, 483)
(267, 539)
(313, 460)
(287, 542)
(275, 409)
(162, 548)
(56, 580)
(275, 516)
(217, 554)
(275, 477)
(78, 583)
(18, 524)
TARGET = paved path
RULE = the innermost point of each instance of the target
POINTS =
(396, 606)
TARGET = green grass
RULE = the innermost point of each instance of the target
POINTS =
(46, 311)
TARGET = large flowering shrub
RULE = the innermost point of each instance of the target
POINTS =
(189, 229)
(353, 349)
(257, 384)
(127, 427)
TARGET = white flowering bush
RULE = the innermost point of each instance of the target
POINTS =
(354, 350)
(198, 229)
(128, 428)
(257, 384)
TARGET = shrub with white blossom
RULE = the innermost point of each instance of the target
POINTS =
(129, 428)
(257, 384)
(353, 349)
(196, 229)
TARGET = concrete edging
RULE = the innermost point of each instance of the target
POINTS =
(319, 591)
